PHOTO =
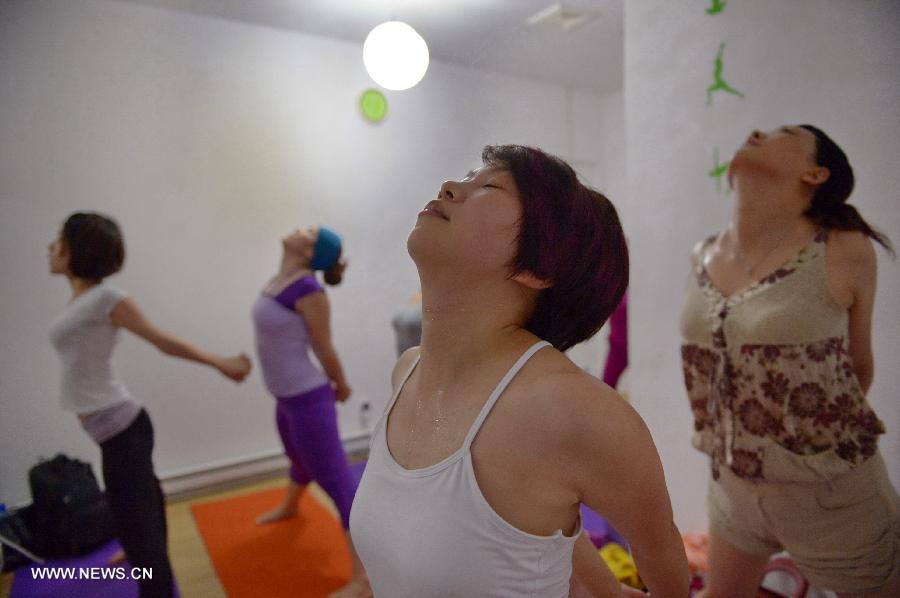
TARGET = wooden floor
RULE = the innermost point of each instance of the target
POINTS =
(190, 561)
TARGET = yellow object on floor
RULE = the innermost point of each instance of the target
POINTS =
(621, 564)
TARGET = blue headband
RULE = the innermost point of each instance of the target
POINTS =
(327, 250)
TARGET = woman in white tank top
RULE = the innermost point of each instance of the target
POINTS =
(493, 438)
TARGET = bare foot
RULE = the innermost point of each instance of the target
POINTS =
(118, 557)
(278, 514)
(357, 588)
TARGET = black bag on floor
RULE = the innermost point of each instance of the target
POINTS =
(17, 545)
(70, 515)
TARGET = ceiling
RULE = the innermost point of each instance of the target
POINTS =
(491, 35)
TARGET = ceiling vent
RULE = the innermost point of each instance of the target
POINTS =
(557, 15)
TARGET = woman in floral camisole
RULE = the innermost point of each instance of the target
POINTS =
(777, 361)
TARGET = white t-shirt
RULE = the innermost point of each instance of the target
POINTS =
(84, 338)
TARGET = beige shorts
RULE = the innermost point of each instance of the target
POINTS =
(843, 534)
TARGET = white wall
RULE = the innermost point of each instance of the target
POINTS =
(832, 63)
(613, 180)
(605, 137)
(208, 140)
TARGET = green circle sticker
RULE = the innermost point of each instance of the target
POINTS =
(373, 105)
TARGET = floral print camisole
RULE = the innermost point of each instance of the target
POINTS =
(769, 375)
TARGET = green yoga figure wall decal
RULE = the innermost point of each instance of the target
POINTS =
(719, 84)
(718, 170)
(716, 7)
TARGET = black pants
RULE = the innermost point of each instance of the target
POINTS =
(137, 504)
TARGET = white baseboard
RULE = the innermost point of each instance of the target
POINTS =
(195, 480)
(357, 443)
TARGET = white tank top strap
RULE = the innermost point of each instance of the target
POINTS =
(504, 382)
(400, 386)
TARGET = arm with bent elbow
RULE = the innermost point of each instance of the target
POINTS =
(622, 478)
(865, 271)
(317, 313)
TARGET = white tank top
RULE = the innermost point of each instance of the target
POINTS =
(429, 532)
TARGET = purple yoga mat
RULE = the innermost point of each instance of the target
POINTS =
(599, 529)
(26, 583)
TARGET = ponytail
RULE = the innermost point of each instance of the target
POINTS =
(829, 207)
(334, 275)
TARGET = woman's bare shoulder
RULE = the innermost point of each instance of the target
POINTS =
(850, 246)
(568, 403)
(852, 266)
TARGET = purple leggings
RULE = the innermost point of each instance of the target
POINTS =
(307, 424)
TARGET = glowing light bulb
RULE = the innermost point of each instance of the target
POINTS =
(395, 55)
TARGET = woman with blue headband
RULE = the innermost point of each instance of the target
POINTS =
(290, 317)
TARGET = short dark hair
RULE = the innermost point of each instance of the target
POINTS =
(829, 207)
(569, 236)
(95, 244)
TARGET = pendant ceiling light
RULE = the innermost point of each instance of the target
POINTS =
(395, 55)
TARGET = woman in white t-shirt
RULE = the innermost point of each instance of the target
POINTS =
(88, 249)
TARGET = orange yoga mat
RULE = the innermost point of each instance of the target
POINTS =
(303, 557)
